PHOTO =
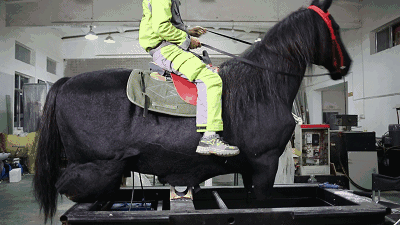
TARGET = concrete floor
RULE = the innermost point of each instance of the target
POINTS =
(19, 207)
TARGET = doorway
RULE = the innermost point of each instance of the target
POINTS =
(334, 102)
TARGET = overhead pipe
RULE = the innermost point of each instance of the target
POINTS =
(98, 34)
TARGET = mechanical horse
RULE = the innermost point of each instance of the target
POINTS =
(90, 120)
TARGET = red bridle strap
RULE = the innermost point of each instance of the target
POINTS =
(325, 17)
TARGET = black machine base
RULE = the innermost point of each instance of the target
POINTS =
(290, 204)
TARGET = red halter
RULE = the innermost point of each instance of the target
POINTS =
(325, 17)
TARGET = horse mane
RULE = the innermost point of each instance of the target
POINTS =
(289, 46)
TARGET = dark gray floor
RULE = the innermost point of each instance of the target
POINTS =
(18, 205)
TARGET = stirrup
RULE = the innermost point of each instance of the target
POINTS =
(178, 195)
(156, 68)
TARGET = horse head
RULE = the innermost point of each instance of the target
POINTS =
(332, 53)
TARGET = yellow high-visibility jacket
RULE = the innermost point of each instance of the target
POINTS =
(161, 21)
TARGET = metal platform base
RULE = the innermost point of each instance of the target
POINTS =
(290, 204)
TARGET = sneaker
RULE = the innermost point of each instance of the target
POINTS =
(214, 145)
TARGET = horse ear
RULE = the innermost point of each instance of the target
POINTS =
(326, 5)
(315, 2)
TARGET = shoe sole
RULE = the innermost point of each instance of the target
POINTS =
(218, 152)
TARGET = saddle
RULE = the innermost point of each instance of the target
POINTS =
(160, 91)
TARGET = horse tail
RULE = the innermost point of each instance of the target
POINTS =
(48, 158)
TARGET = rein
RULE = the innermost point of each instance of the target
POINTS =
(223, 35)
(325, 17)
(249, 61)
(257, 64)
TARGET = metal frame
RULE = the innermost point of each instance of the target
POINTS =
(234, 205)
(374, 196)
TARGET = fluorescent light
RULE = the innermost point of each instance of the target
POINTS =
(109, 39)
(91, 35)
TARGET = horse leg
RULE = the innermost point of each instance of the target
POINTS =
(247, 181)
(91, 181)
(248, 185)
(265, 167)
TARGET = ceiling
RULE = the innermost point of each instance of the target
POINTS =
(72, 20)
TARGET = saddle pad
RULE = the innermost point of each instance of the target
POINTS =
(186, 89)
(162, 95)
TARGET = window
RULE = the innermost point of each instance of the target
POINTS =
(396, 34)
(382, 40)
(387, 36)
(24, 54)
(48, 84)
(19, 100)
(51, 66)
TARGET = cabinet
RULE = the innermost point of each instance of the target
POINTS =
(312, 140)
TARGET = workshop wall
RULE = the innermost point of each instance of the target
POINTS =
(42, 43)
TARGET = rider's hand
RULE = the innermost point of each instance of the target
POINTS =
(194, 43)
(197, 31)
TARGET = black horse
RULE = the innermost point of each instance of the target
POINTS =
(90, 119)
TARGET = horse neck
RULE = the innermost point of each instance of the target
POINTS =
(286, 86)
(297, 38)
(295, 43)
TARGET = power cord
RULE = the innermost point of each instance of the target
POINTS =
(133, 191)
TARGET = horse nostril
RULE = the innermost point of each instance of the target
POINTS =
(231, 221)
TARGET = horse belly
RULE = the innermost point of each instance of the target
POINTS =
(183, 170)
(93, 115)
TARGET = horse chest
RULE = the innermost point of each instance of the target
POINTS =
(267, 128)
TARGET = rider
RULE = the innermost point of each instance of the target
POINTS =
(167, 39)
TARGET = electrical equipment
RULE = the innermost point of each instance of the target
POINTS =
(362, 164)
(357, 154)
(394, 134)
(346, 120)
(313, 142)
(389, 158)
(344, 141)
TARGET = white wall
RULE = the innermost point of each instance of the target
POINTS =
(374, 79)
(42, 41)
(129, 12)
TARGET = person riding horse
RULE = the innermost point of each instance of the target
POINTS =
(167, 39)
(89, 120)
